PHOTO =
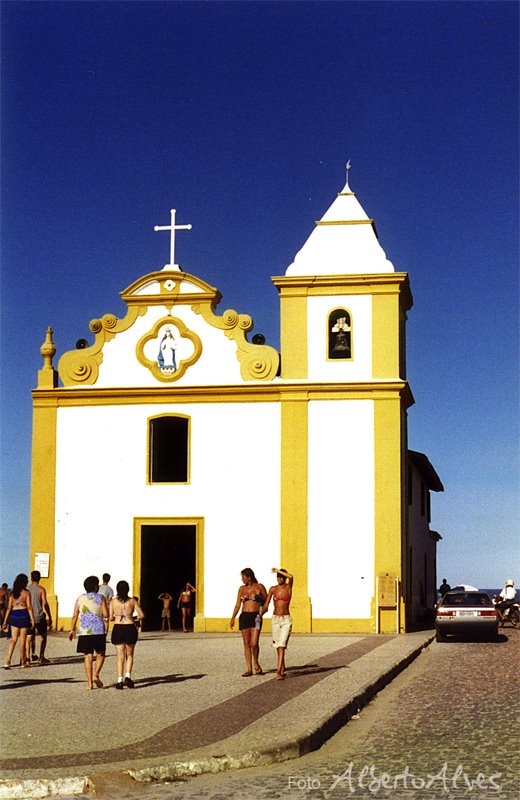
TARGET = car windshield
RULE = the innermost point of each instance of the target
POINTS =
(466, 599)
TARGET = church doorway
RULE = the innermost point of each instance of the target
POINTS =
(166, 557)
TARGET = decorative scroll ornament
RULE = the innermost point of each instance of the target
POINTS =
(258, 362)
(81, 367)
(169, 349)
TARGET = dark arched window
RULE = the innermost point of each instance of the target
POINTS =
(339, 334)
(168, 449)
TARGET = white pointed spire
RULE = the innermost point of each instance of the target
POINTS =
(344, 242)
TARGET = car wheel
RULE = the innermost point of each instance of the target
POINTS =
(439, 637)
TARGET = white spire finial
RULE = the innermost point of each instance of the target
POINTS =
(347, 167)
(172, 227)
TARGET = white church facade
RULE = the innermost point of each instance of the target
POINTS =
(175, 448)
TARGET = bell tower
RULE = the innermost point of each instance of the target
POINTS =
(343, 311)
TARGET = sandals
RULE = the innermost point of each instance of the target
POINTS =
(259, 671)
(246, 674)
(280, 677)
(7, 666)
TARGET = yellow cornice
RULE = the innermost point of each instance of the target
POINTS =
(266, 393)
(338, 285)
(344, 222)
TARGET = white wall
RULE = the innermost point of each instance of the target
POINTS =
(341, 508)
(101, 488)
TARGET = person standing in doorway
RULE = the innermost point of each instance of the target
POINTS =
(184, 603)
(124, 632)
(92, 611)
(281, 621)
(165, 613)
(251, 595)
(42, 619)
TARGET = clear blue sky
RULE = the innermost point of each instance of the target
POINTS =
(241, 116)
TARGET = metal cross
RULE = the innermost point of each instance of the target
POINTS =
(347, 167)
(172, 227)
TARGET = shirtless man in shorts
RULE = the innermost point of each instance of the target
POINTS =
(165, 614)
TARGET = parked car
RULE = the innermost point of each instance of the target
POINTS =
(465, 613)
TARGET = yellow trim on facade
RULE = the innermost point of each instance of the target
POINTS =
(258, 362)
(385, 336)
(364, 283)
(268, 393)
(82, 366)
(198, 523)
(294, 505)
(169, 293)
(293, 336)
(43, 495)
(363, 625)
(344, 222)
(389, 483)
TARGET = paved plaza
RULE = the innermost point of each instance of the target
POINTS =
(191, 710)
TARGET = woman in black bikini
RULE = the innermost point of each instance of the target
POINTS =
(184, 603)
(124, 632)
(251, 595)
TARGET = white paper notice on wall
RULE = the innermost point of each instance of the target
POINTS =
(41, 563)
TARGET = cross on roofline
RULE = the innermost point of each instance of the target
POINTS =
(172, 227)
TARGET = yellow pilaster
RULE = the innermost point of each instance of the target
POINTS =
(388, 499)
(294, 509)
(43, 494)
(293, 333)
(385, 335)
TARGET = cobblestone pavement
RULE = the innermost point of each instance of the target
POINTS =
(444, 728)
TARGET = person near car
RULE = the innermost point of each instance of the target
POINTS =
(508, 595)
(444, 587)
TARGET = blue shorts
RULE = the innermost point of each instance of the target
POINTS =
(19, 618)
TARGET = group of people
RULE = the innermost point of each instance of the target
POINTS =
(254, 600)
(26, 614)
(93, 614)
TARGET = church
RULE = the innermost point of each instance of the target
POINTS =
(175, 448)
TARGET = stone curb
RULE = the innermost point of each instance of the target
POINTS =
(29, 789)
(311, 740)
